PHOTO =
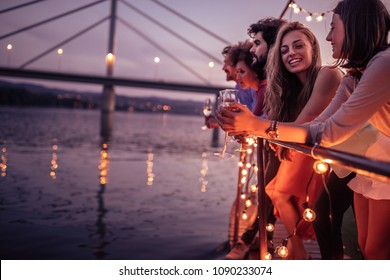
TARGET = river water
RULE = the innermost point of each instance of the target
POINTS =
(154, 191)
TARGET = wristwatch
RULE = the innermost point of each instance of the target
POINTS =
(272, 131)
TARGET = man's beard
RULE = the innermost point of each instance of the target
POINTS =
(258, 66)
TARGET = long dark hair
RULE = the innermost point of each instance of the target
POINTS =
(366, 27)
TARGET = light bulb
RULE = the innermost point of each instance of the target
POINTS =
(320, 17)
(248, 203)
(254, 188)
(283, 251)
(320, 167)
(242, 196)
(268, 256)
(244, 215)
(250, 140)
(309, 215)
(309, 18)
(270, 227)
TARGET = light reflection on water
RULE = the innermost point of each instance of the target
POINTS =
(96, 200)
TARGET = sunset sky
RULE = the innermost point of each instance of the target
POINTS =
(135, 54)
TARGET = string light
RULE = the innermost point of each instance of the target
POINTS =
(320, 16)
(282, 250)
(309, 215)
(320, 167)
(268, 256)
(254, 188)
(270, 227)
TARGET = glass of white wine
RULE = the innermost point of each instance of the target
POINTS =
(225, 99)
(207, 109)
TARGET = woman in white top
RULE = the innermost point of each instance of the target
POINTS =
(359, 39)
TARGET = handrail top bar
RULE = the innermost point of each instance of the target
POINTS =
(359, 164)
(103, 80)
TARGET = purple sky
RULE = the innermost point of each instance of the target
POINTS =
(135, 55)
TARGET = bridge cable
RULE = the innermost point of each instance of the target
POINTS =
(63, 42)
(141, 34)
(20, 6)
(50, 19)
(173, 32)
(192, 22)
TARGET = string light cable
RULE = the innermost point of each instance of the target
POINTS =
(318, 15)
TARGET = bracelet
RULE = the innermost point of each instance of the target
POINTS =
(272, 131)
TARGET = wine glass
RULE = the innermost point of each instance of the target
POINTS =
(225, 99)
(206, 111)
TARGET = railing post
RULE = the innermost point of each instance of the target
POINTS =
(261, 199)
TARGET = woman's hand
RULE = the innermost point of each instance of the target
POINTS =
(236, 119)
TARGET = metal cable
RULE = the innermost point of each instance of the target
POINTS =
(63, 42)
(141, 34)
(192, 22)
(172, 32)
(51, 19)
(19, 6)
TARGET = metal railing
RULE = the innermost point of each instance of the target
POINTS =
(376, 169)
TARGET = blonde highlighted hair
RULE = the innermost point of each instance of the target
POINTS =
(285, 96)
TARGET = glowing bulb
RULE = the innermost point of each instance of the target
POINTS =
(297, 10)
(309, 18)
(244, 172)
(211, 64)
(283, 251)
(268, 256)
(248, 203)
(248, 165)
(60, 51)
(254, 188)
(249, 151)
(156, 59)
(270, 227)
(110, 58)
(320, 167)
(309, 215)
(294, 6)
(240, 164)
(320, 17)
(244, 215)
(243, 196)
(250, 140)
(9, 47)
(243, 180)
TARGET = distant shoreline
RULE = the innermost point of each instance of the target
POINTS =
(25, 95)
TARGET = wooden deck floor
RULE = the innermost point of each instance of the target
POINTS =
(280, 234)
